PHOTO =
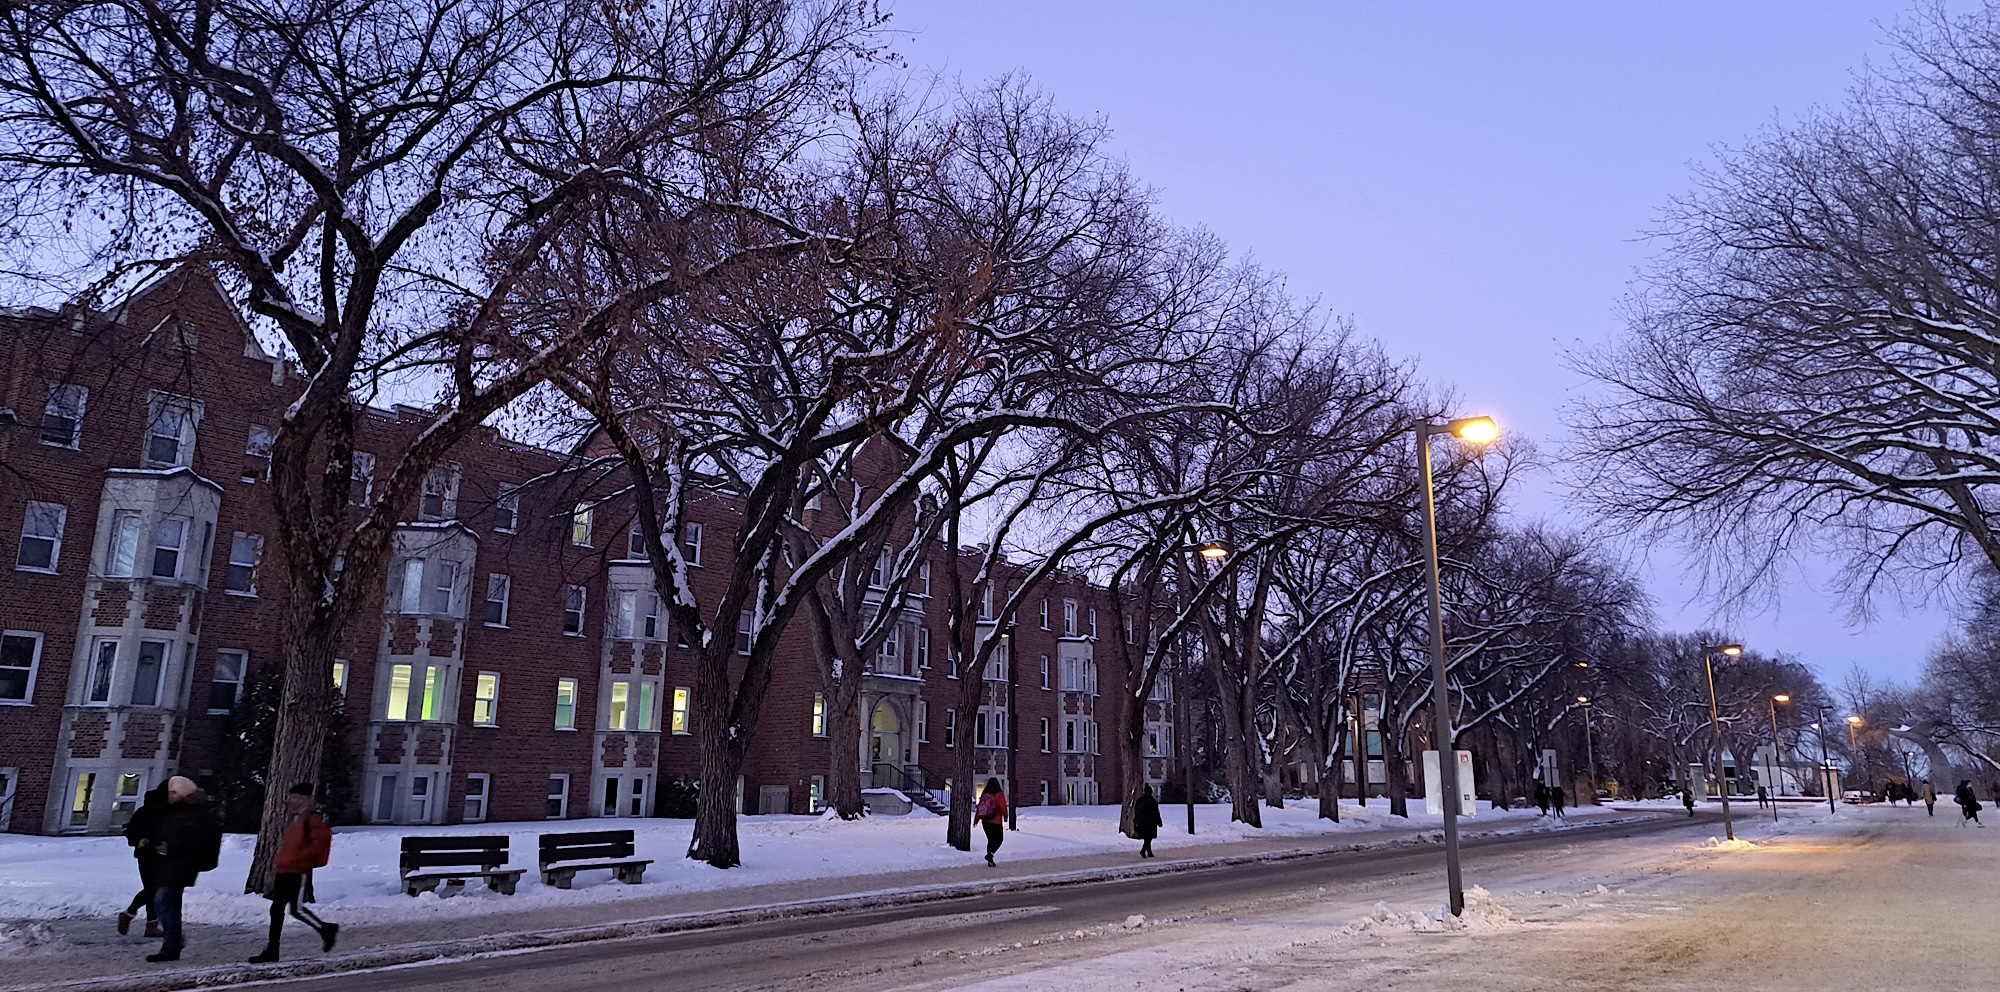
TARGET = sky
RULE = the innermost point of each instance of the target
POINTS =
(1469, 183)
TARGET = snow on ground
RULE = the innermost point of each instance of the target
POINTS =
(75, 877)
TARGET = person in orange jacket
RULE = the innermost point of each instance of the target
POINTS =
(307, 845)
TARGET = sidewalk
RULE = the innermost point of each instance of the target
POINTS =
(85, 953)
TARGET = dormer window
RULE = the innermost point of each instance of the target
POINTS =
(62, 418)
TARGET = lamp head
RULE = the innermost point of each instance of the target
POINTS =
(1781, 698)
(1477, 430)
(1214, 550)
(1854, 720)
(1583, 699)
(1732, 650)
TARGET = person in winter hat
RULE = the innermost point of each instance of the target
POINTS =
(188, 840)
(1146, 820)
(307, 845)
(1687, 799)
(1968, 802)
(992, 816)
(138, 833)
(1930, 799)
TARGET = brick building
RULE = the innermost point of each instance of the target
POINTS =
(520, 669)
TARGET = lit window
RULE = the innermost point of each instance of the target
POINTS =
(79, 807)
(819, 715)
(226, 687)
(579, 525)
(565, 704)
(433, 699)
(573, 610)
(399, 693)
(169, 546)
(245, 551)
(486, 700)
(498, 588)
(41, 537)
(646, 720)
(62, 416)
(126, 802)
(340, 677)
(680, 714)
(816, 795)
(621, 701)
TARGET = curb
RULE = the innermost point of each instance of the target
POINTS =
(434, 951)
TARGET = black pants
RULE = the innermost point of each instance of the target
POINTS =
(995, 833)
(1146, 847)
(285, 897)
(149, 879)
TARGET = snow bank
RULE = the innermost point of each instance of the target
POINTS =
(1736, 844)
(1481, 913)
(80, 877)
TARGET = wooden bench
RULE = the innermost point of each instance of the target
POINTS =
(429, 861)
(563, 855)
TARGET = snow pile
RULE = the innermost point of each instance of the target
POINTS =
(1718, 844)
(1135, 921)
(1482, 912)
(25, 939)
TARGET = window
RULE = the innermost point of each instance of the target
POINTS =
(385, 799)
(226, 686)
(979, 729)
(889, 655)
(619, 715)
(439, 500)
(950, 728)
(636, 799)
(340, 677)
(478, 788)
(20, 655)
(691, 542)
(923, 722)
(646, 720)
(169, 545)
(361, 479)
(1072, 677)
(411, 599)
(1045, 614)
(79, 804)
(399, 693)
(743, 633)
(146, 673)
(565, 704)
(627, 617)
(1045, 671)
(121, 555)
(680, 715)
(579, 525)
(420, 799)
(819, 715)
(1090, 736)
(41, 537)
(444, 582)
(923, 648)
(257, 453)
(62, 416)
(486, 700)
(878, 577)
(1069, 618)
(433, 696)
(1128, 631)
(507, 511)
(635, 542)
(1045, 735)
(126, 801)
(170, 435)
(573, 610)
(1093, 623)
(924, 578)
(245, 551)
(986, 604)
(816, 795)
(497, 589)
(1045, 792)
(102, 666)
(651, 627)
(1069, 736)
(558, 797)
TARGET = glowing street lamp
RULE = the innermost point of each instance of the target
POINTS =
(1715, 721)
(1589, 751)
(1854, 746)
(1213, 552)
(1777, 771)
(1473, 430)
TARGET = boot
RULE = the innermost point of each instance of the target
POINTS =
(153, 930)
(124, 924)
(327, 936)
(268, 955)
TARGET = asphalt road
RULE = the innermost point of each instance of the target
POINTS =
(944, 944)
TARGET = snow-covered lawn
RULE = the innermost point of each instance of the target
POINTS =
(43, 878)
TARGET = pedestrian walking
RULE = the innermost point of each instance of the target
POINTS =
(1968, 803)
(1930, 799)
(188, 841)
(138, 833)
(1146, 820)
(307, 845)
(992, 816)
(1763, 797)
(1542, 798)
(1687, 799)
(1556, 800)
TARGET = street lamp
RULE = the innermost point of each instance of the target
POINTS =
(1825, 762)
(1475, 430)
(1715, 722)
(1777, 771)
(1854, 747)
(1217, 552)
(1589, 752)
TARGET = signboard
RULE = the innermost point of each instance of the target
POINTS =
(1433, 785)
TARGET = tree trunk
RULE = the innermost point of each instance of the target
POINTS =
(722, 749)
(298, 744)
(1333, 773)
(1273, 769)
(958, 826)
(844, 747)
(1392, 769)
(1131, 739)
(1239, 751)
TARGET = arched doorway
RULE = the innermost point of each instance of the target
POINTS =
(885, 746)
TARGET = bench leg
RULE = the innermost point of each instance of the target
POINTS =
(564, 879)
(633, 875)
(506, 885)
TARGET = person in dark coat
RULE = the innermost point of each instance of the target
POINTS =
(307, 845)
(188, 841)
(1542, 798)
(1146, 820)
(1763, 797)
(992, 816)
(1556, 800)
(1687, 799)
(1968, 802)
(138, 833)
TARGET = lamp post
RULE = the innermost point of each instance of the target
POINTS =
(1854, 746)
(1826, 763)
(1908, 779)
(1477, 430)
(1012, 728)
(1777, 769)
(1589, 751)
(1215, 551)
(1715, 722)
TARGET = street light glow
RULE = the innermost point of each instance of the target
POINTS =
(1731, 650)
(1854, 721)
(1583, 699)
(1782, 698)
(1478, 430)
(1215, 550)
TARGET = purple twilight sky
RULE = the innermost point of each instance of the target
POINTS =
(1469, 182)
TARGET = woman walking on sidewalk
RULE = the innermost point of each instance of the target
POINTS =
(138, 833)
(992, 816)
(1930, 799)
(307, 845)
(1146, 820)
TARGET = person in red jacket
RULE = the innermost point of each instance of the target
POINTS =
(992, 815)
(308, 843)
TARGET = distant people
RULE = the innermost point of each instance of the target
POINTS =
(1930, 799)
(1763, 797)
(1556, 800)
(1146, 820)
(1968, 803)
(188, 841)
(308, 844)
(992, 816)
(139, 834)
(1542, 798)
(1687, 799)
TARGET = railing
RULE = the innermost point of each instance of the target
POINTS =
(904, 780)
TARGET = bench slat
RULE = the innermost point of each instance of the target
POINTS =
(475, 859)
(471, 843)
(587, 837)
(592, 852)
